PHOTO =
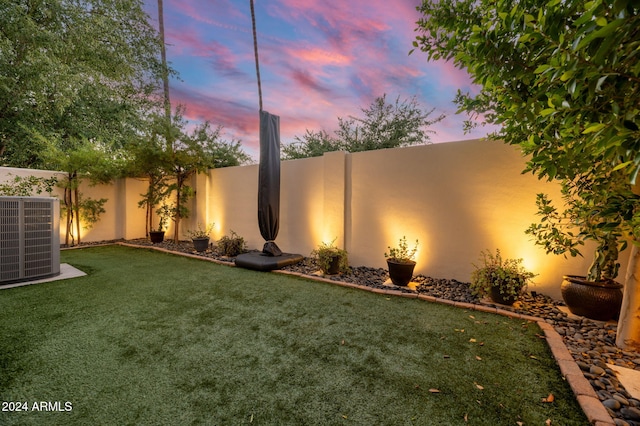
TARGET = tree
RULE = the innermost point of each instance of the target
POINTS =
(562, 79)
(84, 160)
(383, 125)
(184, 155)
(83, 69)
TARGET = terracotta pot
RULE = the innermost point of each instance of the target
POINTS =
(200, 244)
(400, 272)
(156, 236)
(599, 300)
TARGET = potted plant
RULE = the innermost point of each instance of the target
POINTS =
(502, 280)
(400, 262)
(231, 246)
(157, 235)
(331, 259)
(200, 237)
(597, 211)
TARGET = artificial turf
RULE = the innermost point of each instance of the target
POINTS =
(153, 338)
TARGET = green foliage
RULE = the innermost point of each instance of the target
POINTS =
(325, 254)
(402, 253)
(508, 275)
(26, 186)
(184, 154)
(231, 246)
(383, 125)
(81, 160)
(556, 231)
(200, 232)
(165, 213)
(83, 70)
(561, 79)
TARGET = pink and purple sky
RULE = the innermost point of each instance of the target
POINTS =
(319, 60)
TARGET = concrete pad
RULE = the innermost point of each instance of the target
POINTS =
(66, 271)
(411, 286)
(629, 378)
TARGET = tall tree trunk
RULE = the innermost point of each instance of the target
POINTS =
(165, 69)
(68, 206)
(76, 193)
(176, 223)
(628, 335)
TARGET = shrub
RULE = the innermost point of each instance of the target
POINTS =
(231, 246)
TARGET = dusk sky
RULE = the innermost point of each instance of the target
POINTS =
(319, 60)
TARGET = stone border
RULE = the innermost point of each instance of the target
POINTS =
(582, 389)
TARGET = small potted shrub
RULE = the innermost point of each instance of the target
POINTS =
(400, 261)
(200, 237)
(231, 246)
(502, 280)
(331, 259)
(157, 235)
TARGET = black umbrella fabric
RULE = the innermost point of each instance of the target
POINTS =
(269, 182)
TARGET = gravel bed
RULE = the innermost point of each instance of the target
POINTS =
(591, 343)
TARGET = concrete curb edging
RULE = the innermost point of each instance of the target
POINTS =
(582, 389)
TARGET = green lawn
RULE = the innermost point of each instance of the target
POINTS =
(153, 338)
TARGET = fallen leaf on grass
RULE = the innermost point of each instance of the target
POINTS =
(478, 358)
(472, 317)
(434, 390)
(550, 398)
(520, 423)
(548, 422)
(472, 340)
(533, 357)
(459, 330)
(466, 417)
(344, 417)
(479, 386)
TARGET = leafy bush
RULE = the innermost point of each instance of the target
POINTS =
(509, 276)
(325, 254)
(402, 253)
(231, 246)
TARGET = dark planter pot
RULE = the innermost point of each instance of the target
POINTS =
(334, 266)
(200, 244)
(156, 236)
(400, 273)
(503, 299)
(595, 300)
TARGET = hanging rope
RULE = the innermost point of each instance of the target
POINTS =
(255, 50)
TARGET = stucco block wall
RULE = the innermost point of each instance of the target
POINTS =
(456, 198)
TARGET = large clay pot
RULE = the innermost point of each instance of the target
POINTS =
(400, 272)
(599, 300)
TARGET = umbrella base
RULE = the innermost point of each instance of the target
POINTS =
(261, 262)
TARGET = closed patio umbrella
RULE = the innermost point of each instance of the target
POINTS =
(269, 182)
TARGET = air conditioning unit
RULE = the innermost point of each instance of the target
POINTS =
(29, 238)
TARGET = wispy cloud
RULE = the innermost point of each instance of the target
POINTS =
(319, 59)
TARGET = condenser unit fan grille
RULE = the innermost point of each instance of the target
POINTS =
(29, 238)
